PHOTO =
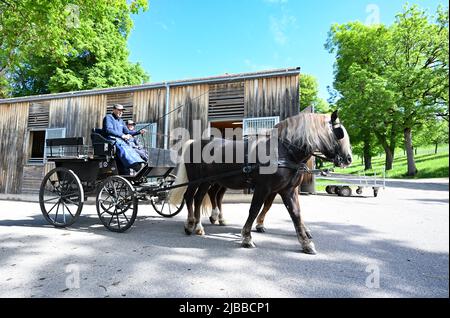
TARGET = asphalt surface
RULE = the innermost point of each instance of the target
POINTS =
(395, 245)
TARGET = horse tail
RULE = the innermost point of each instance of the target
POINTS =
(176, 196)
(206, 206)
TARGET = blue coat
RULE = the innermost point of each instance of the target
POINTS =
(114, 128)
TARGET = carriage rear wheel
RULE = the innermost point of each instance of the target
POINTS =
(61, 197)
(161, 203)
(117, 204)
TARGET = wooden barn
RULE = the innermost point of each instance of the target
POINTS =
(249, 100)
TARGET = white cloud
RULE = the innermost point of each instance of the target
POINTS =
(280, 26)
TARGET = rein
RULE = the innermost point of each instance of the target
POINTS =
(290, 145)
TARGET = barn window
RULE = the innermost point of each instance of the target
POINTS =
(37, 146)
(259, 126)
(149, 140)
(38, 115)
(226, 101)
(38, 151)
(125, 99)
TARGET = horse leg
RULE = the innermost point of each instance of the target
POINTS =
(258, 199)
(198, 199)
(260, 220)
(290, 200)
(189, 199)
(212, 192)
(219, 198)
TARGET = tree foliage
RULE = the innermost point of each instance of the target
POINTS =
(63, 45)
(309, 94)
(392, 79)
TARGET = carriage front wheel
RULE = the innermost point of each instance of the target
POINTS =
(61, 197)
(160, 201)
(117, 204)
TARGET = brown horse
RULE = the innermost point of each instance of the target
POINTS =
(293, 142)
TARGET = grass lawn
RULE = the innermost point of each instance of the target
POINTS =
(430, 165)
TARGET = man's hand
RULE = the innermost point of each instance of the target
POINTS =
(127, 137)
(143, 131)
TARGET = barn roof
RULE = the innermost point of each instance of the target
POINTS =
(186, 82)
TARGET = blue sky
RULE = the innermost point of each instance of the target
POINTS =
(180, 39)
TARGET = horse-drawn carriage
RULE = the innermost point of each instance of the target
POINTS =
(82, 171)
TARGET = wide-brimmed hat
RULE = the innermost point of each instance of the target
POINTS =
(118, 106)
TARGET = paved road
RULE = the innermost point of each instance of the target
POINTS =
(401, 237)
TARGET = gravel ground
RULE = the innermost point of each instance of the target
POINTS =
(395, 245)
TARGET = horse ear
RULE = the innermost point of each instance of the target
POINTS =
(334, 116)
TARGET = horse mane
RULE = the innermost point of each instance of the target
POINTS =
(308, 131)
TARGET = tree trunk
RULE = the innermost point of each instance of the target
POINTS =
(388, 149)
(367, 156)
(436, 148)
(389, 159)
(412, 170)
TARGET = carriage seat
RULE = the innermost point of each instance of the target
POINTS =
(102, 146)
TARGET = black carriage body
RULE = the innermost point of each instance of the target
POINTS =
(83, 171)
(90, 171)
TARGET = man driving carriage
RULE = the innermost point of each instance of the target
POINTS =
(115, 129)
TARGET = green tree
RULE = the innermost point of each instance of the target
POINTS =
(62, 45)
(418, 70)
(362, 93)
(309, 94)
(434, 132)
(401, 69)
(309, 89)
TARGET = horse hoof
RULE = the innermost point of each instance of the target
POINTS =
(187, 231)
(248, 244)
(260, 229)
(222, 223)
(200, 232)
(212, 220)
(309, 249)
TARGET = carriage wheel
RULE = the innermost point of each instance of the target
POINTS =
(61, 197)
(117, 204)
(161, 203)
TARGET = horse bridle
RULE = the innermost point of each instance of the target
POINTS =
(338, 131)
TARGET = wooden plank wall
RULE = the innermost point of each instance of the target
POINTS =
(78, 115)
(194, 101)
(149, 106)
(13, 128)
(276, 96)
